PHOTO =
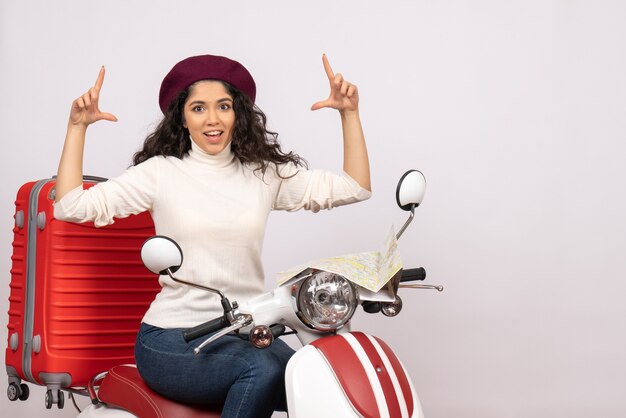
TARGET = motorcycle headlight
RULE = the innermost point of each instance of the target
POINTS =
(326, 301)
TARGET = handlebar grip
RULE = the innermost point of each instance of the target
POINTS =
(409, 275)
(205, 328)
(277, 330)
(371, 307)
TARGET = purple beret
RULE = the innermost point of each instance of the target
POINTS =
(204, 67)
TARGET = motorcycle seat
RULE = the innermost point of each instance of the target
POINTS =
(123, 387)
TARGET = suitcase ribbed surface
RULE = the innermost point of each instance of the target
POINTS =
(98, 291)
(89, 295)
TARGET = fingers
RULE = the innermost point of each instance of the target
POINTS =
(100, 79)
(343, 94)
(85, 109)
(80, 103)
(87, 99)
(344, 88)
(337, 81)
(351, 90)
(320, 105)
(93, 96)
(328, 69)
(108, 116)
(87, 104)
(90, 98)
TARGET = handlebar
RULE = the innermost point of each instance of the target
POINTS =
(216, 324)
(410, 275)
(205, 328)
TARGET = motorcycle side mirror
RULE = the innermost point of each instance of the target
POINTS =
(161, 255)
(409, 194)
(411, 189)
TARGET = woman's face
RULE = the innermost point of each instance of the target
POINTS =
(209, 116)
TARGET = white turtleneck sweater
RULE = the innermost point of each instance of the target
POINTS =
(216, 208)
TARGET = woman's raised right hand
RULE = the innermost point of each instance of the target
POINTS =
(85, 109)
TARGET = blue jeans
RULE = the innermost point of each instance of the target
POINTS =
(250, 382)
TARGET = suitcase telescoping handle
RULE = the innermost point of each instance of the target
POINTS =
(95, 179)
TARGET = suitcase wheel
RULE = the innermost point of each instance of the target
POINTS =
(25, 392)
(18, 391)
(13, 391)
(50, 399)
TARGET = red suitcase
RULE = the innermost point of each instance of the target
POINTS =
(77, 295)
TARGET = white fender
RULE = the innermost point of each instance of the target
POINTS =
(313, 390)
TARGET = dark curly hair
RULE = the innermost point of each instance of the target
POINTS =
(252, 142)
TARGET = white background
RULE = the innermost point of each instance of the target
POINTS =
(514, 110)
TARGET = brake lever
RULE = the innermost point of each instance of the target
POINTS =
(421, 286)
(240, 322)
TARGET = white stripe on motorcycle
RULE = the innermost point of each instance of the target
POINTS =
(392, 374)
(383, 409)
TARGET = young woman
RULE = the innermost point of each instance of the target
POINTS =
(209, 175)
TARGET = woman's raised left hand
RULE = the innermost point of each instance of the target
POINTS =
(344, 96)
